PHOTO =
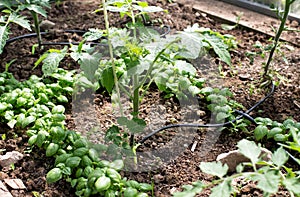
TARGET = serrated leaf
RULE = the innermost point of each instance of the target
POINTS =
(20, 20)
(224, 189)
(6, 3)
(37, 9)
(279, 157)
(51, 62)
(260, 131)
(214, 168)
(148, 9)
(4, 31)
(93, 34)
(146, 34)
(249, 149)
(268, 182)
(292, 184)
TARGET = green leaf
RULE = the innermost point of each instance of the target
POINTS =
(3, 107)
(21, 101)
(52, 60)
(273, 132)
(148, 9)
(185, 68)
(214, 168)
(58, 109)
(279, 157)
(117, 164)
(194, 90)
(207, 90)
(260, 131)
(27, 121)
(93, 34)
(268, 182)
(20, 20)
(249, 149)
(89, 63)
(4, 31)
(54, 175)
(84, 82)
(12, 123)
(219, 47)
(8, 115)
(292, 184)
(63, 99)
(184, 194)
(221, 116)
(192, 44)
(37, 9)
(135, 125)
(20, 118)
(107, 79)
(6, 3)
(41, 137)
(146, 34)
(224, 189)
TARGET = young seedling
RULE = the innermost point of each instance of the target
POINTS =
(12, 15)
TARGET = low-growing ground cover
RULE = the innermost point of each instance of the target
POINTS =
(241, 78)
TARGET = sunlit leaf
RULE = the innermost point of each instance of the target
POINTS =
(214, 168)
(20, 20)
(4, 31)
(224, 189)
(279, 157)
(292, 184)
(249, 149)
(260, 131)
(268, 182)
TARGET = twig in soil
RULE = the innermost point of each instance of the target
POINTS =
(194, 146)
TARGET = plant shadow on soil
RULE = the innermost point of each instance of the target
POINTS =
(184, 168)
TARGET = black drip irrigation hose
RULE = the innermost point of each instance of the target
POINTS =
(168, 29)
(242, 114)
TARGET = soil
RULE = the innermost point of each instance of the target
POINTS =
(182, 167)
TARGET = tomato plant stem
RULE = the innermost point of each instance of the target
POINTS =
(112, 56)
(277, 36)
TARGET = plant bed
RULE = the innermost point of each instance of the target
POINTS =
(167, 177)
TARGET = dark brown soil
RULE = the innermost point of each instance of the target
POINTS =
(242, 78)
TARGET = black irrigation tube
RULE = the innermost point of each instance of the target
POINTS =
(69, 31)
(242, 114)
